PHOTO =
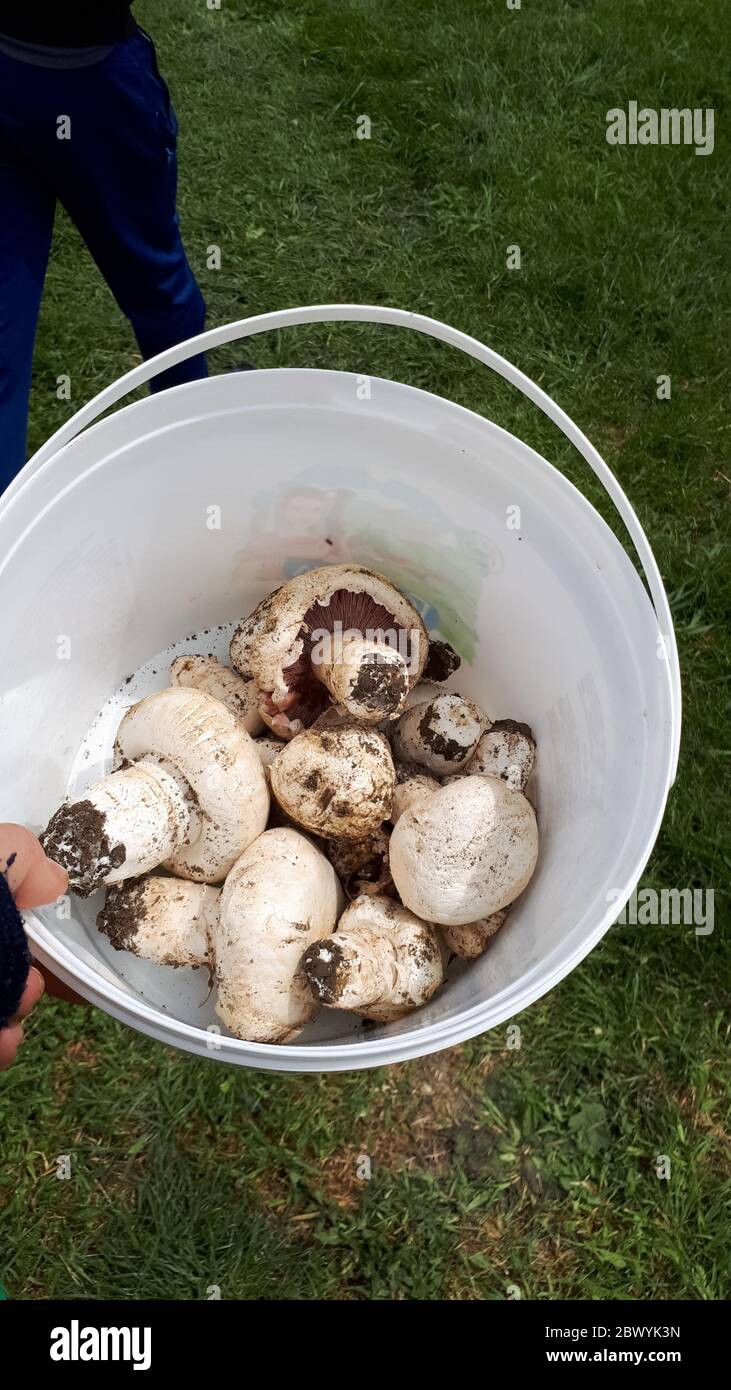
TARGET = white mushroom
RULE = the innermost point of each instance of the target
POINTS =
(338, 783)
(208, 674)
(382, 962)
(218, 759)
(507, 750)
(341, 632)
(190, 795)
(412, 789)
(123, 826)
(281, 896)
(465, 852)
(441, 735)
(170, 921)
(471, 939)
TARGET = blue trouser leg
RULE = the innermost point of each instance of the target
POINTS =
(26, 224)
(115, 173)
(117, 179)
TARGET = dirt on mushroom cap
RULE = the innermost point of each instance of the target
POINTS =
(338, 783)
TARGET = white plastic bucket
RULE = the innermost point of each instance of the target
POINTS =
(182, 510)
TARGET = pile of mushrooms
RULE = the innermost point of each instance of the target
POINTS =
(322, 824)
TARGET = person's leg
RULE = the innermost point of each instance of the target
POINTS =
(26, 225)
(117, 178)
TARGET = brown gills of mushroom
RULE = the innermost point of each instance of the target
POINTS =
(345, 611)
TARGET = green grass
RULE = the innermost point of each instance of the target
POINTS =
(490, 1167)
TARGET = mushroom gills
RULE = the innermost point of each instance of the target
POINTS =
(341, 632)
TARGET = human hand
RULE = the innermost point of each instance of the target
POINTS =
(33, 879)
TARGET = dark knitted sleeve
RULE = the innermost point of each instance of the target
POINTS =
(14, 954)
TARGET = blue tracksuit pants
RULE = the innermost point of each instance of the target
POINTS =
(101, 140)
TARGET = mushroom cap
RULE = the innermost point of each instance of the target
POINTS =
(209, 674)
(165, 920)
(338, 783)
(271, 638)
(411, 789)
(465, 852)
(280, 896)
(212, 750)
(382, 962)
(506, 750)
(440, 735)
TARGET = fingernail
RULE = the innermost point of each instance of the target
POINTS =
(37, 976)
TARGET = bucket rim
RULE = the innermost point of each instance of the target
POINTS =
(393, 316)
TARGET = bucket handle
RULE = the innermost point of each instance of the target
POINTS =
(420, 323)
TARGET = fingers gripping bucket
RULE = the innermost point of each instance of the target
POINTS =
(181, 511)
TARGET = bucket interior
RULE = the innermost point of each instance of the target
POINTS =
(179, 513)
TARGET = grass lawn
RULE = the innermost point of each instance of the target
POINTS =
(490, 1167)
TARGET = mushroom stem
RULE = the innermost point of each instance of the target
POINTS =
(123, 826)
(382, 962)
(169, 921)
(369, 678)
(268, 749)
